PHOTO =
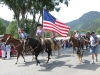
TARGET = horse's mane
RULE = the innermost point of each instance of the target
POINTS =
(15, 39)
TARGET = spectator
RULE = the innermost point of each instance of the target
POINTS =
(3, 48)
(94, 46)
(8, 50)
(66, 43)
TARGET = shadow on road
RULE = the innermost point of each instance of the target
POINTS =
(54, 64)
(87, 66)
(62, 56)
(28, 63)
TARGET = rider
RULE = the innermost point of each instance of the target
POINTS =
(88, 35)
(83, 34)
(40, 33)
(40, 36)
(53, 37)
(23, 35)
(77, 36)
(74, 33)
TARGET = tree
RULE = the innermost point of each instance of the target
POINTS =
(98, 31)
(12, 29)
(2, 27)
(70, 33)
(23, 7)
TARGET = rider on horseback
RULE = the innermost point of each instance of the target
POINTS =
(77, 36)
(40, 36)
(23, 36)
(40, 33)
(53, 37)
(83, 34)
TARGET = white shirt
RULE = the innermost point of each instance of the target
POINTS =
(92, 41)
(8, 48)
(76, 35)
(22, 35)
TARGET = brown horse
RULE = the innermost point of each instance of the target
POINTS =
(58, 47)
(76, 43)
(17, 44)
(85, 42)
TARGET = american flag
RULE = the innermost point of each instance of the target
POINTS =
(52, 24)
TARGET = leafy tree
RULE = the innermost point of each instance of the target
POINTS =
(23, 7)
(2, 27)
(98, 31)
(70, 33)
(12, 29)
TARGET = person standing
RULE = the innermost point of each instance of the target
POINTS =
(94, 46)
(8, 50)
(3, 48)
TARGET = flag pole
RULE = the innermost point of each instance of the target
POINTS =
(43, 19)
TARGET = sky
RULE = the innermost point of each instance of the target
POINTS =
(75, 9)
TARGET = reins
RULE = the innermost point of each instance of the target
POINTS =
(34, 44)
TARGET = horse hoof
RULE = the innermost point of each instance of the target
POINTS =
(15, 63)
(47, 62)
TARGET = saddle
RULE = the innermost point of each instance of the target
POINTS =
(79, 40)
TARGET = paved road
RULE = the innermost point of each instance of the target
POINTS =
(65, 64)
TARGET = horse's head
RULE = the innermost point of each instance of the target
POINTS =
(70, 39)
(8, 40)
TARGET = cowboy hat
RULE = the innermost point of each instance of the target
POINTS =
(39, 25)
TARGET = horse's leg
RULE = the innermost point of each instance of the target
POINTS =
(58, 51)
(18, 56)
(86, 46)
(52, 47)
(32, 56)
(36, 55)
(73, 50)
(49, 52)
(23, 57)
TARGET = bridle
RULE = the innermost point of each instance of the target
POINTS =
(8, 39)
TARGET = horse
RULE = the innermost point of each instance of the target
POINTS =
(58, 47)
(17, 45)
(76, 43)
(85, 42)
(37, 47)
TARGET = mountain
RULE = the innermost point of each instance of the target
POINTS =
(6, 22)
(88, 21)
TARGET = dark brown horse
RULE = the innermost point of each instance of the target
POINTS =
(17, 45)
(37, 48)
(75, 43)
